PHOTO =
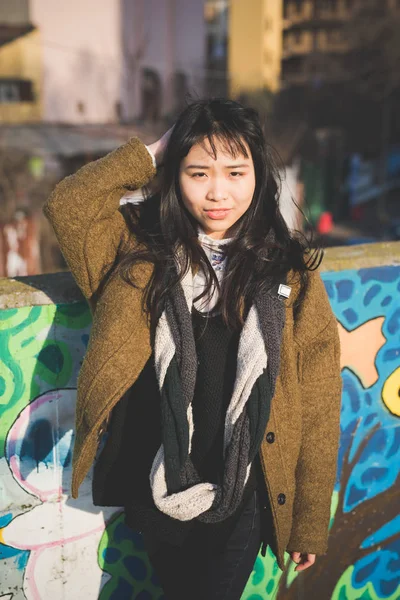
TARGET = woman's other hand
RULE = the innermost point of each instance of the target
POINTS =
(158, 147)
(303, 560)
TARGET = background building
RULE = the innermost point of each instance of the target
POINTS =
(163, 56)
(20, 64)
(312, 32)
(76, 81)
(81, 56)
(275, 43)
(255, 45)
(73, 63)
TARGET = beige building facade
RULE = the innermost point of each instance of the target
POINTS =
(20, 76)
(255, 45)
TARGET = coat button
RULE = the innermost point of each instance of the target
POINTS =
(281, 499)
(270, 437)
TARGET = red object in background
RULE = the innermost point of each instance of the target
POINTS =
(325, 223)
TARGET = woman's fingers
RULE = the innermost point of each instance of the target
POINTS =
(162, 144)
(158, 147)
(303, 561)
(295, 556)
(164, 139)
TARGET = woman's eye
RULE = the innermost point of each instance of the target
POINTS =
(201, 175)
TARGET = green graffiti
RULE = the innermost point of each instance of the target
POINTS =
(41, 348)
(73, 316)
(54, 364)
(264, 580)
(5, 315)
(121, 554)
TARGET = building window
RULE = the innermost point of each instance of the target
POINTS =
(217, 48)
(335, 36)
(80, 107)
(8, 93)
(285, 9)
(298, 6)
(16, 90)
(286, 42)
(209, 12)
(298, 37)
(322, 38)
(328, 6)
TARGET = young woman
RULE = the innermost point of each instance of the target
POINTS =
(213, 361)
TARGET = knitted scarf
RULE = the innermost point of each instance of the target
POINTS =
(176, 486)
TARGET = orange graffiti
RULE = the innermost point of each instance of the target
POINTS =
(360, 347)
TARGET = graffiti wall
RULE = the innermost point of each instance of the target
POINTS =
(52, 546)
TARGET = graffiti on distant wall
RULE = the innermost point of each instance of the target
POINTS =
(53, 546)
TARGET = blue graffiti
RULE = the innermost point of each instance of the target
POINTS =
(366, 423)
(20, 556)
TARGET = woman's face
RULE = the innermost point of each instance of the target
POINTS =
(216, 191)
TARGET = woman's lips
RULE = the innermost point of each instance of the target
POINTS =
(220, 213)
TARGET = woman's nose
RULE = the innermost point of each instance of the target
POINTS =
(216, 192)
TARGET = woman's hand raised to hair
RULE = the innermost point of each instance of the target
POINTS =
(158, 147)
(303, 560)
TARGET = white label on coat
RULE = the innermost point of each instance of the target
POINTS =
(284, 290)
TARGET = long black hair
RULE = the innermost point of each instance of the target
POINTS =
(262, 250)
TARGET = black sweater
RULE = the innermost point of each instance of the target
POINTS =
(121, 474)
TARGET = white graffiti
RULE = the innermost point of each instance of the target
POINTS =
(61, 533)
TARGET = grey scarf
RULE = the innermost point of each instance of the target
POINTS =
(176, 486)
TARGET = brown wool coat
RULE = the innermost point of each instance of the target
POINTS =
(299, 461)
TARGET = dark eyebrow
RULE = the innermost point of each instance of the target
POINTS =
(227, 167)
(237, 166)
(197, 167)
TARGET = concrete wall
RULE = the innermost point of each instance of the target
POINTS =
(56, 547)
(166, 36)
(81, 59)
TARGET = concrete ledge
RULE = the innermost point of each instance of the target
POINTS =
(60, 288)
(37, 290)
(363, 256)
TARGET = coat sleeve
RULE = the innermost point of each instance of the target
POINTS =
(83, 210)
(317, 336)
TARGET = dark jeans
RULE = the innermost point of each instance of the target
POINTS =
(203, 570)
